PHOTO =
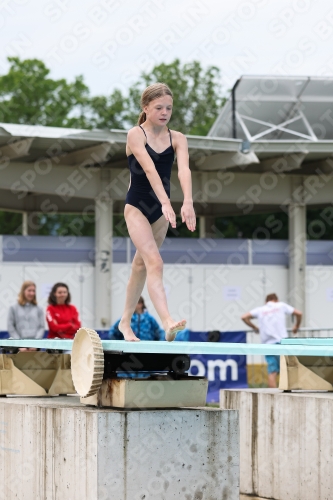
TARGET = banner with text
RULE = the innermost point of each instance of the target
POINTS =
(223, 372)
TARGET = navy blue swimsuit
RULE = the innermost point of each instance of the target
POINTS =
(140, 193)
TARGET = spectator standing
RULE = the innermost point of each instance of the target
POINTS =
(144, 326)
(272, 328)
(25, 318)
(62, 316)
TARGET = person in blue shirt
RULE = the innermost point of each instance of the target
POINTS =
(143, 325)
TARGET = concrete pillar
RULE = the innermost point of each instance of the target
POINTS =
(297, 256)
(206, 226)
(284, 438)
(118, 454)
(103, 256)
(25, 223)
(30, 224)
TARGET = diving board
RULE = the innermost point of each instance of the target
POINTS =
(287, 347)
(97, 368)
(309, 341)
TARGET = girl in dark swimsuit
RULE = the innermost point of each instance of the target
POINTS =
(150, 149)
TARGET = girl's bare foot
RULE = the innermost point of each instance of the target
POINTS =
(172, 327)
(128, 333)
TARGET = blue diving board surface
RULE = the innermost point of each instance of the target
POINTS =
(309, 341)
(163, 347)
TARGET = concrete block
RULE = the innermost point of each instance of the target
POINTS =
(286, 443)
(154, 393)
(56, 449)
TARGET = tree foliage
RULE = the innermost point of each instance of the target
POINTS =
(258, 226)
(196, 92)
(10, 223)
(29, 96)
(108, 112)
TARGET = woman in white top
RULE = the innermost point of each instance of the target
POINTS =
(26, 318)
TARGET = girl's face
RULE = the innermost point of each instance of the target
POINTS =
(159, 110)
(61, 294)
(30, 293)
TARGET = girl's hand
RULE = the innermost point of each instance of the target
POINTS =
(169, 214)
(188, 215)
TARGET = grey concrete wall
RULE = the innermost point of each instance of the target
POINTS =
(57, 449)
(286, 443)
(48, 449)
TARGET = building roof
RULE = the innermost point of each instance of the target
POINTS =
(278, 108)
(266, 120)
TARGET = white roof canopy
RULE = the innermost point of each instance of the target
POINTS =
(278, 108)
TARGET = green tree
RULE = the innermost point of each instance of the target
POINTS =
(29, 96)
(254, 226)
(108, 112)
(274, 225)
(197, 95)
(75, 225)
(10, 223)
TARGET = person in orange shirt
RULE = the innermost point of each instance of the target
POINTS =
(62, 316)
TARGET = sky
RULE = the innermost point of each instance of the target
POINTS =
(110, 42)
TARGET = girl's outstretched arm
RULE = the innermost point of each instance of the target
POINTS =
(185, 179)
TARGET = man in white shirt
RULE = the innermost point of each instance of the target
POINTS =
(272, 328)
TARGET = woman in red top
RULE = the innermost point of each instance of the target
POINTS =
(62, 317)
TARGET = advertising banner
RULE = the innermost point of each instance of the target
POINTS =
(223, 372)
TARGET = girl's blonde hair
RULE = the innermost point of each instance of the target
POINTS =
(149, 94)
(21, 298)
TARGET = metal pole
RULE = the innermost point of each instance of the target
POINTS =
(25, 223)
(233, 104)
(249, 252)
(128, 250)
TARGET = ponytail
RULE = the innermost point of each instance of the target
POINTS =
(142, 117)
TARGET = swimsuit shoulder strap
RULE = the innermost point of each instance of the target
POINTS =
(143, 130)
(170, 136)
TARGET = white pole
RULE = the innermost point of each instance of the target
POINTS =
(25, 223)
(128, 250)
(103, 256)
(249, 252)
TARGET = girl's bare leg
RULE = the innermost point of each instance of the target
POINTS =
(146, 239)
(137, 280)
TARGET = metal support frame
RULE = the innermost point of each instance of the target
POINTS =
(15, 149)
(233, 98)
(93, 155)
(312, 373)
(35, 374)
(271, 127)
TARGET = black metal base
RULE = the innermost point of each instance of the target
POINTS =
(116, 362)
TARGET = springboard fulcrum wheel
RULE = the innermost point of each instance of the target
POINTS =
(87, 362)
